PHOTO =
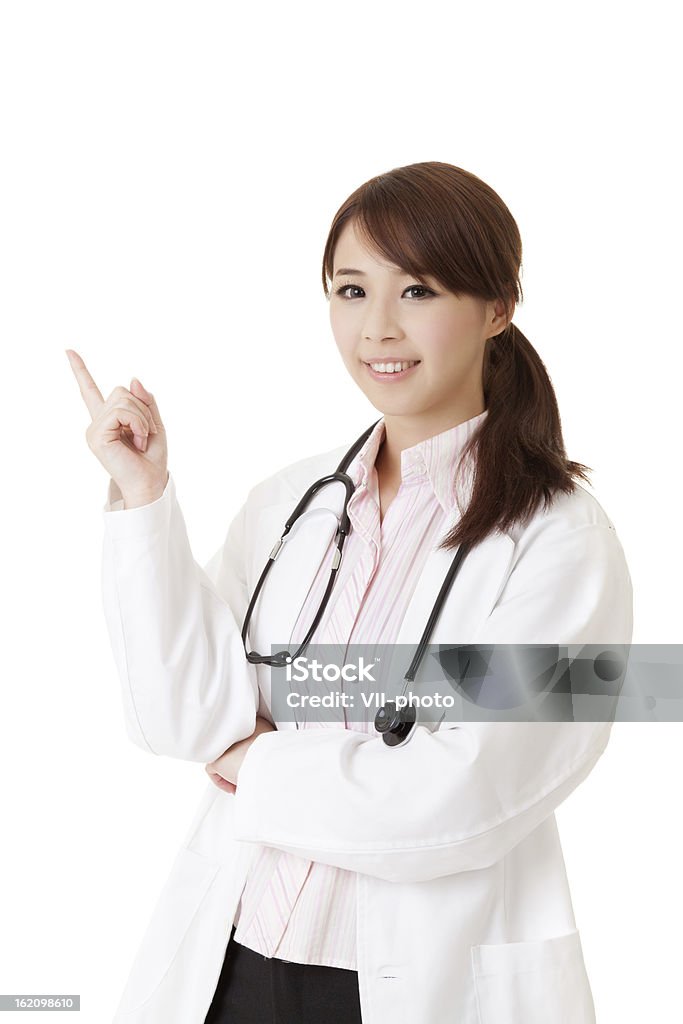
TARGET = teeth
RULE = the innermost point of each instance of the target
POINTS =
(392, 367)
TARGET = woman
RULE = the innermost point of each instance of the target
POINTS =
(327, 876)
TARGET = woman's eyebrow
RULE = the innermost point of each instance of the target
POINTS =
(361, 273)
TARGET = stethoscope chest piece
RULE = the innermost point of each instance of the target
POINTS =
(395, 724)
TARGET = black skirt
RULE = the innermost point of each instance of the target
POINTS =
(256, 989)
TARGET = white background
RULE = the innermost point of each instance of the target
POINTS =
(169, 173)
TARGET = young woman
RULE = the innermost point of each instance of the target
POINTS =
(327, 876)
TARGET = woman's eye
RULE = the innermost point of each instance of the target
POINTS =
(413, 287)
(345, 288)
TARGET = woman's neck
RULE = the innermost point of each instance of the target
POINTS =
(403, 432)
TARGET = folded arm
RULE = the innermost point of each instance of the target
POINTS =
(460, 798)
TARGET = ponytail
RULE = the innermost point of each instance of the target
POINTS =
(516, 459)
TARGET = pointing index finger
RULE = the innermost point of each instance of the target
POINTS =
(92, 396)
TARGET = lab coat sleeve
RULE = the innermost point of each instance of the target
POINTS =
(460, 798)
(187, 688)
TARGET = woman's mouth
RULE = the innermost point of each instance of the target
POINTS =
(391, 370)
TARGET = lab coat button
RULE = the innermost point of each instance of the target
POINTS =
(390, 972)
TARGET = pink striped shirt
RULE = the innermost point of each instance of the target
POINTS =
(301, 910)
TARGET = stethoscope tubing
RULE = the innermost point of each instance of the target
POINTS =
(395, 724)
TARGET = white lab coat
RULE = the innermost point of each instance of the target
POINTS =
(463, 907)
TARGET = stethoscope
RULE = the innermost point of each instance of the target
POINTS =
(395, 724)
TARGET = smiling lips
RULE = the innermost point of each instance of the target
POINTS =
(392, 370)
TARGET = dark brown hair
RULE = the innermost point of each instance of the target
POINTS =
(437, 219)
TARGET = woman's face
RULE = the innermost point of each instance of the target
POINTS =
(381, 315)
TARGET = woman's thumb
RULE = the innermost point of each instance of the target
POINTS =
(135, 383)
(140, 391)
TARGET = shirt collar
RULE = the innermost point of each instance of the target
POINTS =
(434, 459)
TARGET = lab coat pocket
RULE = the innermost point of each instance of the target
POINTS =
(182, 895)
(541, 982)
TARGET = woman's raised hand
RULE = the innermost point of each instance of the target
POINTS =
(126, 435)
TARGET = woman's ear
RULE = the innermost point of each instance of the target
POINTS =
(498, 318)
